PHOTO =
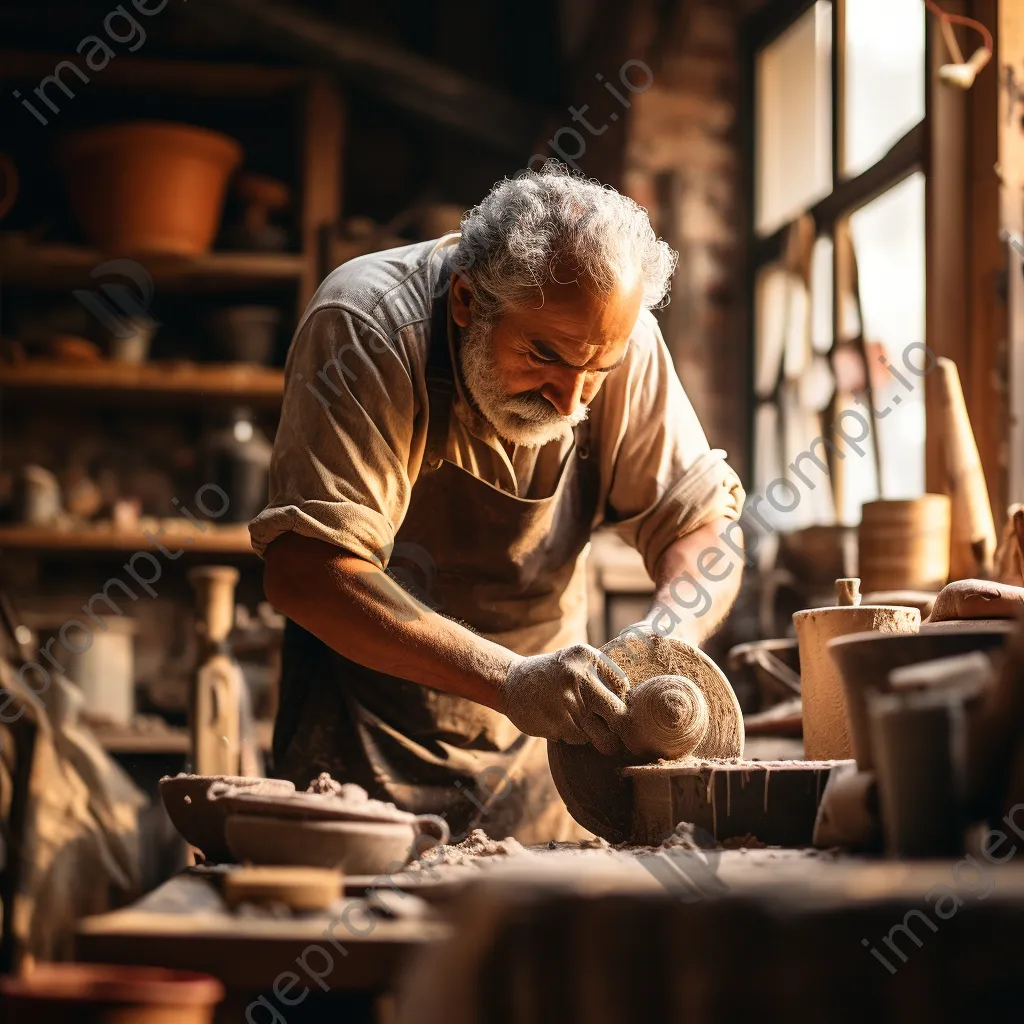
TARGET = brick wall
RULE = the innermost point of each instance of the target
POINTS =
(682, 162)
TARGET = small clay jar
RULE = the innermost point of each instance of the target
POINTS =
(825, 718)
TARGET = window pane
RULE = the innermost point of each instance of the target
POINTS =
(885, 77)
(821, 294)
(794, 119)
(888, 238)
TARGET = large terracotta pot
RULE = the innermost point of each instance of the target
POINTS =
(102, 994)
(147, 187)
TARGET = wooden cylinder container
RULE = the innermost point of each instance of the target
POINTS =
(904, 545)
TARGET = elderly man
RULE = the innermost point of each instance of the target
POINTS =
(461, 415)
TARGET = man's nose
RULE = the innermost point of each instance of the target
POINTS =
(565, 392)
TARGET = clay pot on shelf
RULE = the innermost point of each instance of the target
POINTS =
(244, 334)
(101, 663)
(238, 456)
(261, 197)
(106, 994)
(149, 187)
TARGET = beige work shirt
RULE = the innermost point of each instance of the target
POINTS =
(353, 428)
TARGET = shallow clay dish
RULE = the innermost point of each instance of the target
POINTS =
(304, 806)
(355, 847)
(865, 660)
(200, 820)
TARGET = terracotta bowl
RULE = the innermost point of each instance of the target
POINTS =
(200, 820)
(149, 187)
(354, 847)
(100, 993)
(865, 660)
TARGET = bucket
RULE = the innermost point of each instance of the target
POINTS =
(108, 994)
(149, 187)
(904, 545)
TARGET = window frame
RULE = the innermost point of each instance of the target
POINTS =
(909, 154)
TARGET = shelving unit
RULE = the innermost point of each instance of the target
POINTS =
(253, 384)
(215, 540)
(60, 266)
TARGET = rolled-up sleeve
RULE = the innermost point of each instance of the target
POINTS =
(666, 481)
(340, 467)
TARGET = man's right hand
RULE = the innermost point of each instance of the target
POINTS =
(574, 695)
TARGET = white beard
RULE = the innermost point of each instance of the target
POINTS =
(529, 420)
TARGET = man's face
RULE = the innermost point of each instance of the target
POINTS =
(535, 370)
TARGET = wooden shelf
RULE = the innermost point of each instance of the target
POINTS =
(222, 540)
(172, 740)
(194, 77)
(58, 266)
(256, 384)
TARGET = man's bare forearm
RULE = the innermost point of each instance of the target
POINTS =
(695, 587)
(363, 614)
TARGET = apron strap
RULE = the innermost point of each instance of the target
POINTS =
(440, 377)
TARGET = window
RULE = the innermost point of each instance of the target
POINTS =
(838, 232)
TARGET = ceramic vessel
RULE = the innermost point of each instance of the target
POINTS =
(244, 334)
(354, 847)
(68, 993)
(200, 820)
(904, 545)
(825, 717)
(149, 187)
(864, 661)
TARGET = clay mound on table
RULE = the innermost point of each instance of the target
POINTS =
(641, 657)
(591, 783)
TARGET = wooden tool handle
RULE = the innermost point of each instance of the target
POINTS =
(973, 541)
(215, 599)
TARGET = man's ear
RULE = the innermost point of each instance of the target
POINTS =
(461, 300)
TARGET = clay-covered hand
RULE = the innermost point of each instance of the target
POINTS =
(978, 599)
(574, 695)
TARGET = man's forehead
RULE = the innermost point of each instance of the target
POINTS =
(573, 316)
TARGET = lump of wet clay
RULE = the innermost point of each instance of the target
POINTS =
(667, 717)
(680, 703)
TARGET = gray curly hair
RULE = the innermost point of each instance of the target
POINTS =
(556, 221)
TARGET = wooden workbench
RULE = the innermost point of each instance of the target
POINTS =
(185, 924)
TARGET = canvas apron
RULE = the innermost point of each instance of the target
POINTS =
(510, 568)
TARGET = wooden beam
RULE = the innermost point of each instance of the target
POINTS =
(324, 129)
(946, 237)
(909, 154)
(1010, 61)
(988, 392)
(195, 77)
(405, 79)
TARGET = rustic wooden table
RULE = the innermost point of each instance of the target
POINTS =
(293, 963)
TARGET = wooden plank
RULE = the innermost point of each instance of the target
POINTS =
(172, 740)
(191, 380)
(202, 78)
(987, 394)
(1010, 42)
(58, 266)
(324, 123)
(225, 540)
(406, 79)
(186, 925)
(946, 235)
